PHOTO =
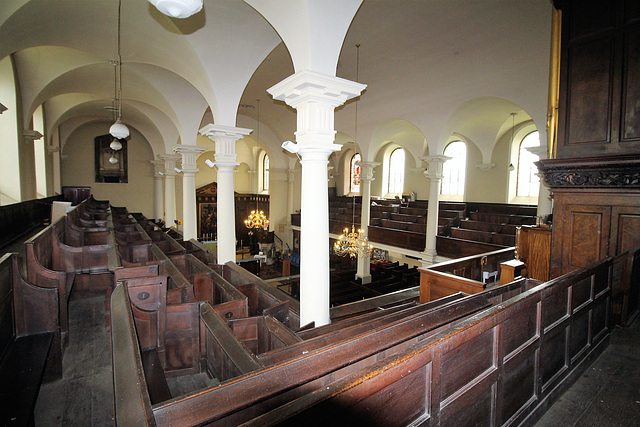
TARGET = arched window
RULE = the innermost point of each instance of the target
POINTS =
(454, 169)
(354, 176)
(265, 173)
(528, 181)
(396, 171)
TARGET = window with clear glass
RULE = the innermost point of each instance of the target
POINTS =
(528, 179)
(396, 171)
(355, 173)
(265, 173)
(453, 170)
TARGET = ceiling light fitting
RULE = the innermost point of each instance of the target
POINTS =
(257, 219)
(118, 129)
(178, 8)
(352, 243)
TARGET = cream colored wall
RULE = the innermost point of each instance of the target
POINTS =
(77, 169)
(10, 191)
(487, 185)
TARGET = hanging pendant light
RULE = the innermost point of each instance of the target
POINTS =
(113, 159)
(115, 145)
(119, 129)
(178, 8)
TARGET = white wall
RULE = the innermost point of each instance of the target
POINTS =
(136, 195)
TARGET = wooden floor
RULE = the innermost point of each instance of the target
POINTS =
(84, 395)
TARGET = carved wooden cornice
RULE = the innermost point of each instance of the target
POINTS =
(593, 172)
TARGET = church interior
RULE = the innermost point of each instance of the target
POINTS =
(380, 212)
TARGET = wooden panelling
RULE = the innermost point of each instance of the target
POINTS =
(591, 76)
(589, 231)
(625, 222)
(599, 83)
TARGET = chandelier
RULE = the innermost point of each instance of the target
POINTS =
(352, 243)
(257, 219)
(118, 129)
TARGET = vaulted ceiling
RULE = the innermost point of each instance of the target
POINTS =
(443, 65)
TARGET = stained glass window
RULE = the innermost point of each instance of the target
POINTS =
(355, 173)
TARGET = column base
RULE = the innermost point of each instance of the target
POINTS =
(365, 279)
(428, 258)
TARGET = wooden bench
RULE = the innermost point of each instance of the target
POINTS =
(28, 320)
(132, 404)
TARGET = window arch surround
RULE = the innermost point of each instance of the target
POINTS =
(528, 181)
(454, 169)
(396, 168)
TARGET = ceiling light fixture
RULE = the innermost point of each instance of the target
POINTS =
(353, 243)
(119, 129)
(209, 163)
(178, 8)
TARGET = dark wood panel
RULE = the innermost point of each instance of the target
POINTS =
(588, 235)
(630, 126)
(591, 78)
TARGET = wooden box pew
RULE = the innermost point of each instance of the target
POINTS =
(166, 243)
(42, 271)
(502, 366)
(400, 298)
(179, 289)
(411, 211)
(28, 326)
(132, 402)
(200, 251)
(83, 259)
(301, 371)
(452, 308)
(267, 295)
(452, 247)
(209, 286)
(491, 227)
(350, 294)
(224, 355)
(419, 219)
(168, 333)
(261, 334)
(79, 233)
(462, 275)
(398, 238)
(134, 246)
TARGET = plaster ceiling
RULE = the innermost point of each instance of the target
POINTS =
(424, 61)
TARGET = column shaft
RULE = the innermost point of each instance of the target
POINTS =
(434, 173)
(366, 177)
(315, 97)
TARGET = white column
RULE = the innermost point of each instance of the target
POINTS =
(189, 155)
(158, 196)
(225, 138)
(315, 97)
(434, 173)
(366, 177)
(169, 187)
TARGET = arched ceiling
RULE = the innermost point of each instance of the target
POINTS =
(422, 61)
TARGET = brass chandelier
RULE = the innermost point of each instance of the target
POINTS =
(257, 219)
(353, 243)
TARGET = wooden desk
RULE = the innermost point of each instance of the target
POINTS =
(511, 269)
